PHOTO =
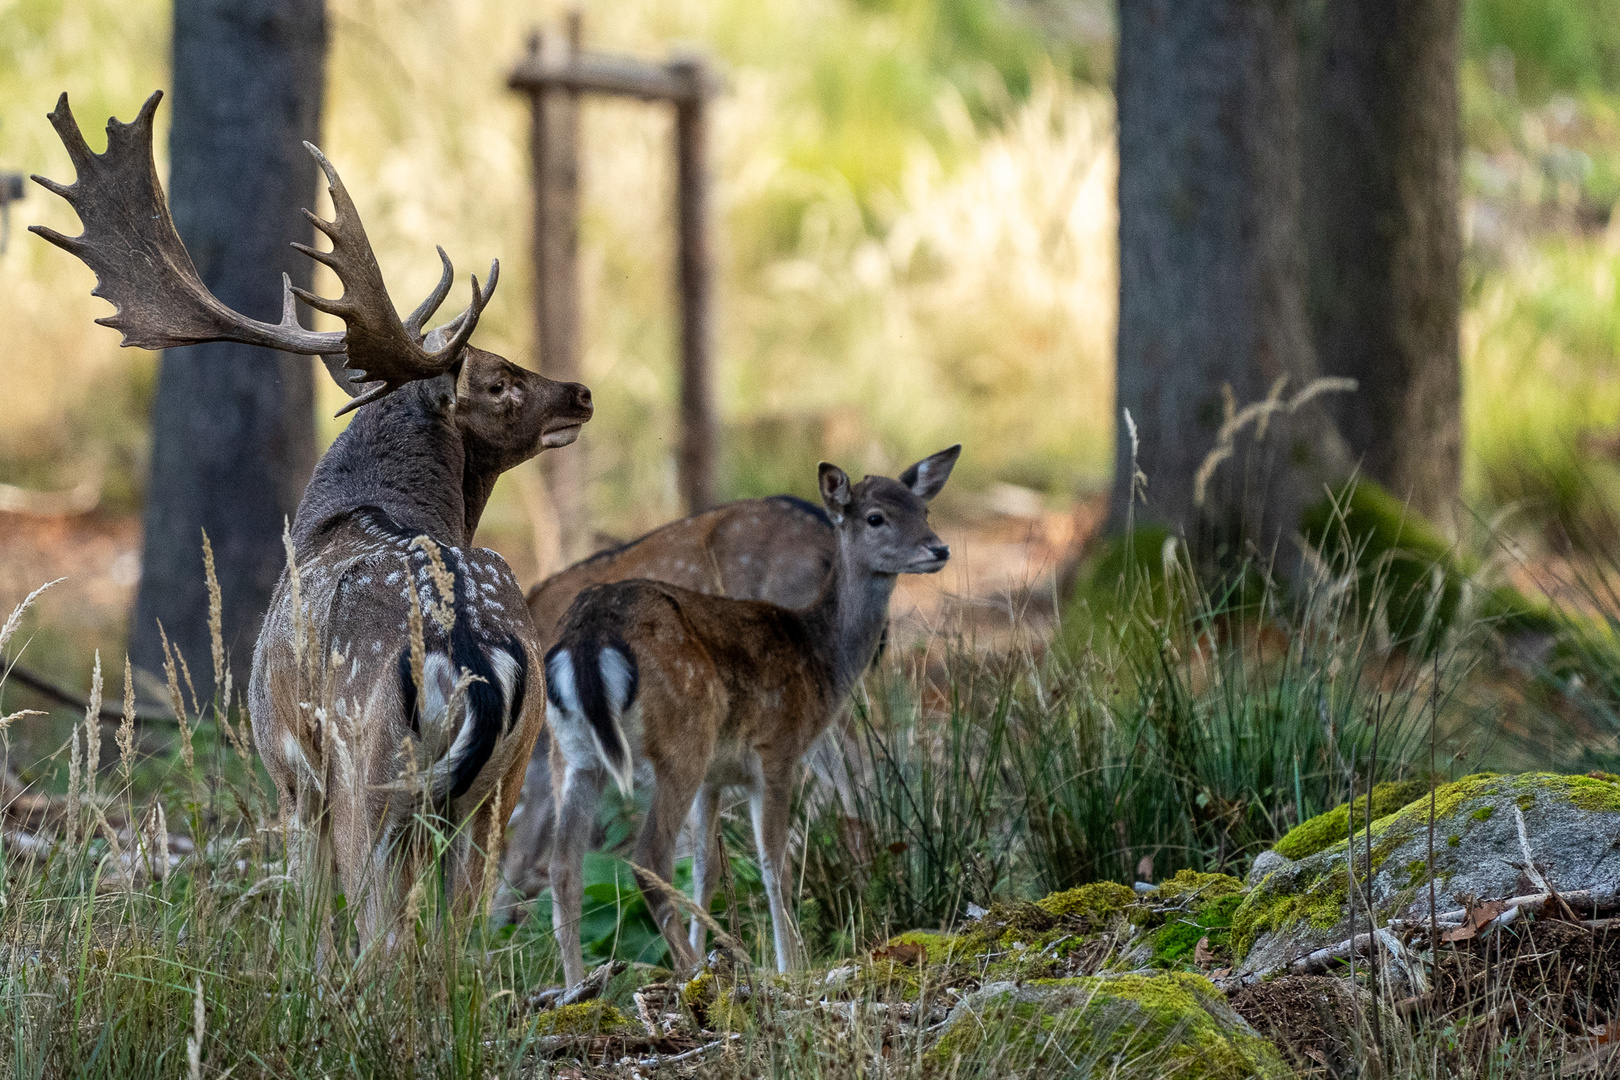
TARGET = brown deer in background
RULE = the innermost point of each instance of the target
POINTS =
(397, 670)
(779, 549)
(698, 693)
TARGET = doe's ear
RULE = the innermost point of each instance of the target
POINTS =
(929, 475)
(834, 490)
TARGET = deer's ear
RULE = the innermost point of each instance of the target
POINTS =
(929, 475)
(834, 490)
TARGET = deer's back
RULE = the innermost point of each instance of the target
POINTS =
(745, 670)
(778, 549)
(354, 585)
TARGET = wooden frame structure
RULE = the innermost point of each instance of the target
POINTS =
(554, 78)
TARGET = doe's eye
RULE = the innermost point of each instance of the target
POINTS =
(874, 520)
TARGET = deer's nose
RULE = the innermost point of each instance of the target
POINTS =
(582, 397)
(940, 551)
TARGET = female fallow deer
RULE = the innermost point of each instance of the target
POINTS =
(397, 669)
(699, 692)
(778, 548)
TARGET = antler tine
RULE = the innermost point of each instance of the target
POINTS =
(381, 347)
(459, 330)
(424, 311)
(140, 264)
(160, 301)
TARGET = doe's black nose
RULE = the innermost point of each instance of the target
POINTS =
(941, 551)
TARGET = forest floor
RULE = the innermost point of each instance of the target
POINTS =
(1001, 581)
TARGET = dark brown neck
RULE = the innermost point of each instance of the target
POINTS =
(401, 455)
(477, 482)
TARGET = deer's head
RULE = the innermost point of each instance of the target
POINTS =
(508, 414)
(882, 524)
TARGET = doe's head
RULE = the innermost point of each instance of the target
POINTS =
(508, 414)
(882, 524)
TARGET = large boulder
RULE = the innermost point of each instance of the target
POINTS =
(1487, 829)
(1175, 1024)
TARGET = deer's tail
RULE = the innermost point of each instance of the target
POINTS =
(590, 684)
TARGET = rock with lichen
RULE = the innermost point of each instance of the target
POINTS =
(1171, 1024)
(584, 1019)
(1487, 828)
(1186, 913)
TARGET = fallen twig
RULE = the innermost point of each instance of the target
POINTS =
(676, 1059)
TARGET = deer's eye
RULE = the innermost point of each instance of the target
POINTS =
(874, 520)
(498, 389)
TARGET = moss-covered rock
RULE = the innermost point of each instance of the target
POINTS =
(1092, 905)
(1325, 830)
(1191, 884)
(1173, 1024)
(1569, 823)
(586, 1018)
(1184, 910)
(715, 1003)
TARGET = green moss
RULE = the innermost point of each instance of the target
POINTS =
(1093, 903)
(1483, 813)
(1165, 1024)
(1454, 840)
(1598, 794)
(714, 1005)
(1277, 905)
(700, 991)
(586, 1018)
(940, 946)
(1325, 830)
(1204, 886)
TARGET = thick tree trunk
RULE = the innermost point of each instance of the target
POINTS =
(1212, 272)
(233, 437)
(1381, 177)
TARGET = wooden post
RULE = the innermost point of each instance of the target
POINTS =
(554, 86)
(555, 150)
(695, 273)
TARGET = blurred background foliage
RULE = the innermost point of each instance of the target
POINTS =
(917, 236)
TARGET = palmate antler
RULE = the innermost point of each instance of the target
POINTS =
(141, 266)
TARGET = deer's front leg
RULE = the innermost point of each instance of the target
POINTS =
(578, 792)
(771, 805)
(705, 857)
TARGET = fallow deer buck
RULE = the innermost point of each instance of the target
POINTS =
(397, 668)
(697, 693)
(778, 548)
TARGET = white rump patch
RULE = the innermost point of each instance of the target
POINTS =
(616, 674)
(506, 673)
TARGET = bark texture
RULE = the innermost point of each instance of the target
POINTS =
(1212, 270)
(1382, 156)
(233, 438)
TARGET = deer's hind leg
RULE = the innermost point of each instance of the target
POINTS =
(578, 792)
(655, 852)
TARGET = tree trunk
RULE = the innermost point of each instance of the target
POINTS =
(1211, 313)
(1381, 180)
(233, 437)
